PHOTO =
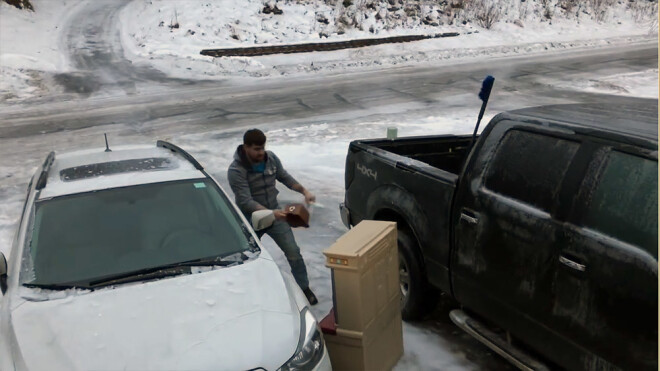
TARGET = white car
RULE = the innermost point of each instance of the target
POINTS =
(136, 259)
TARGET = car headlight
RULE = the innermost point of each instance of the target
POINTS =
(310, 346)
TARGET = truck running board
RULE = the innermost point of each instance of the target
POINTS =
(499, 345)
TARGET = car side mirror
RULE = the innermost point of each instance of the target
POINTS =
(3, 273)
(262, 219)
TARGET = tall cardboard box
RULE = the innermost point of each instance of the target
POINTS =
(366, 298)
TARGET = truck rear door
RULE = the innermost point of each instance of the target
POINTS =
(606, 287)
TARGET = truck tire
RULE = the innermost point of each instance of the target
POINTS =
(417, 298)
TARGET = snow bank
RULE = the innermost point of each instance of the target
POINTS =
(30, 45)
(639, 84)
(148, 37)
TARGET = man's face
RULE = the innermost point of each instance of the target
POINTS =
(255, 153)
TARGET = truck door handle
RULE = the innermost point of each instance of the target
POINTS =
(572, 264)
(469, 216)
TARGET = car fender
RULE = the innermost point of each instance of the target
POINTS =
(11, 357)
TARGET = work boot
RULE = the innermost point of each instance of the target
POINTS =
(310, 296)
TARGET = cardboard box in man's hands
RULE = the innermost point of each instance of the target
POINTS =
(297, 215)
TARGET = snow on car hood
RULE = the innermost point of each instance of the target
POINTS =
(233, 318)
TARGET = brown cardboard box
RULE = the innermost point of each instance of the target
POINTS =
(297, 215)
(379, 349)
(366, 298)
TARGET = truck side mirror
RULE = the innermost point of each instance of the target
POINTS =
(262, 219)
(3, 273)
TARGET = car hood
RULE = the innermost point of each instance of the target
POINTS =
(233, 318)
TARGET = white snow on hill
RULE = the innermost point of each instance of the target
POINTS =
(31, 42)
(203, 24)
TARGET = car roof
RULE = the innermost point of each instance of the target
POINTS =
(95, 169)
(619, 118)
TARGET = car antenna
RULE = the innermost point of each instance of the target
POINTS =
(107, 148)
(484, 94)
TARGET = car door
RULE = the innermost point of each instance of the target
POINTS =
(606, 287)
(506, 236)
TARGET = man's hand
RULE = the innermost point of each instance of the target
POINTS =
(309, 197)
(279, 214)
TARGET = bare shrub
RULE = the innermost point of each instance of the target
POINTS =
(487, 12)
(599, 8)
(412, 8)
(523, 10)
(548, 13)
(546, 8)
(643, 10)
(653, 24)
(453, 10)
(568, 6)
(234, 33)
(458, 4)
(20, 4)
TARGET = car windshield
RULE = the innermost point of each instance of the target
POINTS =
(85, 237)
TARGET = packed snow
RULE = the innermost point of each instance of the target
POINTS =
(638, 84)
(30, 46)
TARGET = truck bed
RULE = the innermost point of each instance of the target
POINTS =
(445, 152)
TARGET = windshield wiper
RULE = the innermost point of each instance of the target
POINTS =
(54, 286)
(145, 274)
(141, 275)
(216, 260)
(168, 270)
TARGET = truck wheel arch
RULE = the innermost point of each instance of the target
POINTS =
(390, 202)
(394, 204)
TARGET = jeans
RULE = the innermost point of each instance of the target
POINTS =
(281, 233)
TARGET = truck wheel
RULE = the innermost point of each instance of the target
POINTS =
(416, 296)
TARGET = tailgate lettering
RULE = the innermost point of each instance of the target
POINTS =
(366, 171)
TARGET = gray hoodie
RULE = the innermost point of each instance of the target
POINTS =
(252, 188)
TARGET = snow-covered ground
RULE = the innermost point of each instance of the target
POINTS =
(637, 84)
(30, 46)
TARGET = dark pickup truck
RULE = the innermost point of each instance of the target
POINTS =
(546, 227)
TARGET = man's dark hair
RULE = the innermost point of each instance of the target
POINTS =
(254, 137)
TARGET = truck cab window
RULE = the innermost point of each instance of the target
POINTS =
(624, 204)
(529, 167)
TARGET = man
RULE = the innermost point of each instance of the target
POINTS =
(252, 177)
